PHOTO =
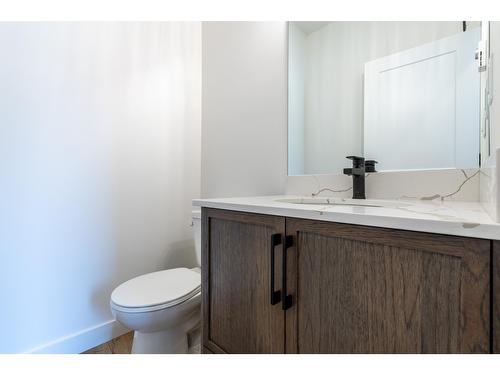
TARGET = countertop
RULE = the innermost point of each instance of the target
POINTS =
(466, 219)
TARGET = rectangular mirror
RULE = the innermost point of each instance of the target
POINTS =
(406, 94)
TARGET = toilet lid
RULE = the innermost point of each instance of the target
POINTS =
(169, 287)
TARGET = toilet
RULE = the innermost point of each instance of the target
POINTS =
(162, 307)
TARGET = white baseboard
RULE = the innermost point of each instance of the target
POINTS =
(83, 340)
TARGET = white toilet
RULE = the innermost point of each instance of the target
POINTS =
(162, 307)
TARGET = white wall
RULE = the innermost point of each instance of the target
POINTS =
(99, 161)
(495, 108)
(244, 118)
(495, 105)
(335, 58)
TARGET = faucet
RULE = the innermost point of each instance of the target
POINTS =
(358, 170)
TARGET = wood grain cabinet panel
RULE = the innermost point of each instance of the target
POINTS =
(237, 313)
(496, 298)
(372, 290)
(354, 289)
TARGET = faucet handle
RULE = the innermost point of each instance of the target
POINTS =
(370, 166)
(357, 161)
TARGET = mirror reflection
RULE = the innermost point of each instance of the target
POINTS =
(406, 94)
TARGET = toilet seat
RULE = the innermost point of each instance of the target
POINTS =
(156, 291)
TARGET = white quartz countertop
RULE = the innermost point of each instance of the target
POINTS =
(466, 219)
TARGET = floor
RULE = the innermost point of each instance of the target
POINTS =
(123, 345)
(119, 345)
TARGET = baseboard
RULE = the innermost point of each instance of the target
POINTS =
(83, 340)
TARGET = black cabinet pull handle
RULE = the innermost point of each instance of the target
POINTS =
(286, 299)
(275, 294)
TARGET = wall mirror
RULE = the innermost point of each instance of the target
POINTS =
(406, 94)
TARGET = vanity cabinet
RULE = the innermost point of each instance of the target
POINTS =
(283, 285)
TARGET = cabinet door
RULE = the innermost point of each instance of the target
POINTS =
(238, 316)
(373, 290)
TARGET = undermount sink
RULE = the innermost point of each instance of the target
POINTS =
(343, 202)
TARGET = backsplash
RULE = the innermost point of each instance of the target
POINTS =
(490, 176)
(489, 182)
(393, 185)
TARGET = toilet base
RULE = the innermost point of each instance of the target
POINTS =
(171, 341)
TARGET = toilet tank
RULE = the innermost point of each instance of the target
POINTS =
(196, 215)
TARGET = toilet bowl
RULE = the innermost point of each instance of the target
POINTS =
(162, 307)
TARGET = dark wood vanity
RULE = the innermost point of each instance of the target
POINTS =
(275, 284)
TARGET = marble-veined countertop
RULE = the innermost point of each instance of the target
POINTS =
(466, 219)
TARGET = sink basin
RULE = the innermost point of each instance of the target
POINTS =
(344, 202)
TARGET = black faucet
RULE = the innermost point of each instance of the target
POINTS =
(358, 170)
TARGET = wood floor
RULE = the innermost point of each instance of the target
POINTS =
(119, 345)
(123, 345)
